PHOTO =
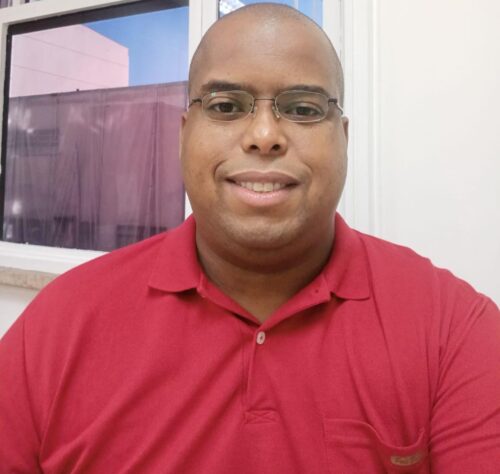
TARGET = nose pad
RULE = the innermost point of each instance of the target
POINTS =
(275, 110)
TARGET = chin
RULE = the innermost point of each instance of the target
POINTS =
(263, 234)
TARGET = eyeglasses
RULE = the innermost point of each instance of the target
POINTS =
(295, 106)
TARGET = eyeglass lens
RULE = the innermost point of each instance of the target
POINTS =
(296, 106)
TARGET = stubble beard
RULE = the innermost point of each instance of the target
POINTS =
(262, 234)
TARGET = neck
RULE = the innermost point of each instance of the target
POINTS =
(262, 280)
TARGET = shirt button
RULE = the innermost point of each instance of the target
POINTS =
(261, 337)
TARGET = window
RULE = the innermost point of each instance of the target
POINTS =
(94, 106)
(311, 8)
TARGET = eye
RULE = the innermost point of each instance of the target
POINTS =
(303, 110)
(302, 106)
(226, 106)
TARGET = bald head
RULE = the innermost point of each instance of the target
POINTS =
(279, 22)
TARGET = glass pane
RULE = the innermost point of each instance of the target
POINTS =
(92, 143)
(311, 8)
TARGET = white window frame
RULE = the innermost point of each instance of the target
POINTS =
(360, 45)
(39, 258)
(352, 27)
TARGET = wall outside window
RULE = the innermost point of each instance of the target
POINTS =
(66, 59)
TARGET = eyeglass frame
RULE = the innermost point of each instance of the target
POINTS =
(330, 100)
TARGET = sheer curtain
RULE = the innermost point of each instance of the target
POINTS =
(94, 169)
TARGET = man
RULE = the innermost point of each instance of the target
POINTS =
(264, 335)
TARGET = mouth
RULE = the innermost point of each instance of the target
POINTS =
(263, 182)
(262, 189)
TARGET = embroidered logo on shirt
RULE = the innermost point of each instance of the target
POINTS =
(406, 460)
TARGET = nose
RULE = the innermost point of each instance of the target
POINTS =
(264, 133)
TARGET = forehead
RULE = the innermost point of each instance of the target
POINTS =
(266, 55)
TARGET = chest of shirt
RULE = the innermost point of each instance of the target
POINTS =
(173, 387)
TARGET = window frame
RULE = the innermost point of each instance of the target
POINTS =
(352, 27)
(39, 258)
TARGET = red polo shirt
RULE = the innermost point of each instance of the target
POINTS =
(136, 363)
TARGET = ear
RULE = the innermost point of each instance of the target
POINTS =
(181, 131)
(345, 127)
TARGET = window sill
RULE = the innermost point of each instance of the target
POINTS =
(33, 266)
(24, 278)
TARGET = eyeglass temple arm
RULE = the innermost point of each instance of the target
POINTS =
(194, 101)
(336, 103)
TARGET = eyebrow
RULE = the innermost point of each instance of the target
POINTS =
(309, 88)
(221, 86)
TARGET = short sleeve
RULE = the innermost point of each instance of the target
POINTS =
(19, 441)
(465, 433)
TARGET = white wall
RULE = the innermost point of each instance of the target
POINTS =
(12, 302)
(439, 133)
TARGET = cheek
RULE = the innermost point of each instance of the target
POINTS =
(327, 157)
(198, 162)
(191, 167)
(193, 152)
(328, 172)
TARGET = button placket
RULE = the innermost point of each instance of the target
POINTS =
(253, 367)
(258, 409)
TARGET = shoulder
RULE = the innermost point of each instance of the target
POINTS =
(401, 278)
(393, 256)
(109, 281)
(132, 262)
(398, 265)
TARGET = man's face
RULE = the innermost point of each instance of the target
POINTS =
(228, 165)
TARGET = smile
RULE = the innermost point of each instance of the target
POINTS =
(261, 187)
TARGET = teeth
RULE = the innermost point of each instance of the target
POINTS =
(268, 187)
(277, 186)
(262, 187)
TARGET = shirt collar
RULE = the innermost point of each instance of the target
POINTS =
(345, 274)
(177, 268)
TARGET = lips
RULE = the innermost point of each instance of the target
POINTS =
(261, 190)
